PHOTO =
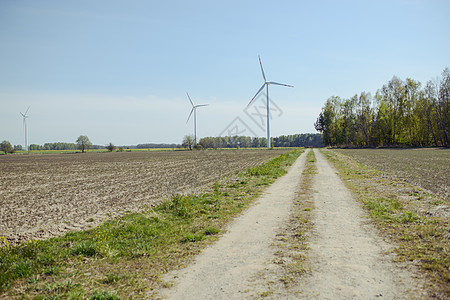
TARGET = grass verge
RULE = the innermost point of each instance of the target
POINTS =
(414, 221)
(126, 256)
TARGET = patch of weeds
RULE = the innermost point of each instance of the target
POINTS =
(211, 231)
(266, 293)
(86, 248)
(167, 285)
(179, 205)
(33, 279)
(104, 295)
(192, 237)
(383, 208)
(23, 268)
(111, 278)
(408, 217)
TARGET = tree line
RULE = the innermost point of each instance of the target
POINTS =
(294, 140)
(54, 146)
(400, 113)
(152, 145)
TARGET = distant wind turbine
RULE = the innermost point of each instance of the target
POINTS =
(266, 84)
(194, 110)
(25, 127)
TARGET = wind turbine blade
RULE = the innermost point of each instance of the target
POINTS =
(262, 70)
(257, 93)
(190, 99)
(27, 110)
(276, 83)
(201, 105)
(22, 115)
(192, 110)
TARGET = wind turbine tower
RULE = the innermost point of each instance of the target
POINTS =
(266, 84)
(25, 127)
(194, 110)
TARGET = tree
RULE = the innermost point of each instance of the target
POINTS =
(111, 147)
(83, 143)
(6, 147)
(188, 142)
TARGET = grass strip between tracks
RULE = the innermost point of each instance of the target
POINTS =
(126, 256)
(293, 240)
(407, 216)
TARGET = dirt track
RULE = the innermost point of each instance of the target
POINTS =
(347, 258)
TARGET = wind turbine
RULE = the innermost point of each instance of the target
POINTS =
(25, 127)
(266, 84)
(194, 109)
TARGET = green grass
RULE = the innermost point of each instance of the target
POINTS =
(127, 255)
(404, 215)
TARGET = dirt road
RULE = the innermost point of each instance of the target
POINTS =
(347, 258)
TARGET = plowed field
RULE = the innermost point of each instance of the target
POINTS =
(46, 195)
(425, 167)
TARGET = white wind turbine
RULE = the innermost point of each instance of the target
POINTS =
(194, 109)
(25, 127)
(266, 84)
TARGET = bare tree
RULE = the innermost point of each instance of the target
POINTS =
(188, 141)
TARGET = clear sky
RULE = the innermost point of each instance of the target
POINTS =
(118, 71)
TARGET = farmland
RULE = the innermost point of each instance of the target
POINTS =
(427, 168)
(47, 195)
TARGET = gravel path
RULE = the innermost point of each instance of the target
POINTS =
(348, 260)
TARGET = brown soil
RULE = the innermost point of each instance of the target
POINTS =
(46, 195)
(428, 168)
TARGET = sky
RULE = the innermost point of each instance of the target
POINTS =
(118, 71)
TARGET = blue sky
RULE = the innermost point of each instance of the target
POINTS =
(118, 71)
